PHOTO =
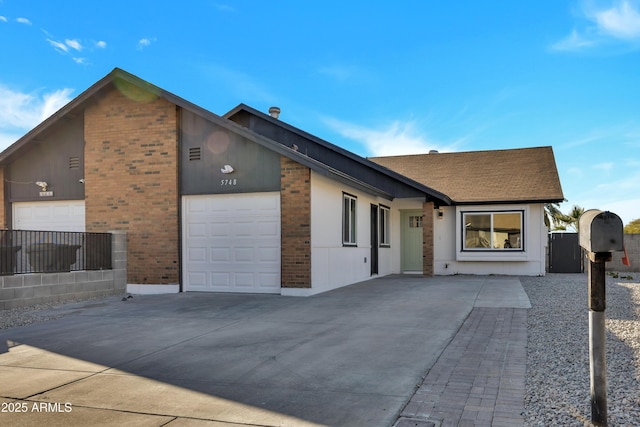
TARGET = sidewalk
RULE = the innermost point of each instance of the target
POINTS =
(479, 379)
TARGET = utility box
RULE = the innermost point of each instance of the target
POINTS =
(601, 232)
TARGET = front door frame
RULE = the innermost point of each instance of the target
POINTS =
(374, 239)
(411, 244)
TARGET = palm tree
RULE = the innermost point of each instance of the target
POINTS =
(554, 216)
(573, 219)
(562, 221)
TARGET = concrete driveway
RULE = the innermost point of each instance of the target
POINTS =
(350, 357)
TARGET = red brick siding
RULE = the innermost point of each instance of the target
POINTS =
(131, 184)
(427, 238)
(295, 208)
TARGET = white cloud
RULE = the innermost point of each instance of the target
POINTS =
(396, 138)
(3, 19)
(53, 101)
(19, 112)
(73, 44)
(59, 46)
(101, 44)
(620, 22)
(144, 42)
(605, 167)
(23, 21)
(573, 41)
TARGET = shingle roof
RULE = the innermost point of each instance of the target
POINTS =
(496, 176)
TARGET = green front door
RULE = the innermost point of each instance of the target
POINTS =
(411, 229)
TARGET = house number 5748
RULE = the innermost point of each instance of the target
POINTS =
(225, 182)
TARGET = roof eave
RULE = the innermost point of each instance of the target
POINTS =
(507, 202)
(437, 196)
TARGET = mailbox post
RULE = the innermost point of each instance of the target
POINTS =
(601, 233)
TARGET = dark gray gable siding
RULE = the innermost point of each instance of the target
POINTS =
(206, 148)
(56, 157)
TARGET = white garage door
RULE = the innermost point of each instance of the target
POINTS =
(231, 243)
(63, 215)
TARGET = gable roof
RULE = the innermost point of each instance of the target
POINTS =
(336, 157)
(483, 177)
(118, 77)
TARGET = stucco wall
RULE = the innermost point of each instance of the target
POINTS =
(332, 264)
(449, 259)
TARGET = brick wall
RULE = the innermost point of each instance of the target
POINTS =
(131, 178)
(295, 207)
(427, 238)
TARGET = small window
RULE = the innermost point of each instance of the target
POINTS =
(384, 226)
(415, 221)
(349, 220)
(492, 231)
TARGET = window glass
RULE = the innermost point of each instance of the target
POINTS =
(349, 220)
(492, 230)
(384, 226)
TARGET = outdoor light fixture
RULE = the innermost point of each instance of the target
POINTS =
(226, 169)
(42, 184)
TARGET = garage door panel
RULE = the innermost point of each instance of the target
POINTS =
(198, 279)
(58, 215)
(220, 255)
(197, 230)
(269, 279)
(268, 255)
(197, 254)
(242, 242)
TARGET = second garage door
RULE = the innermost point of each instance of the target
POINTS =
(231, 243)
(60, 215)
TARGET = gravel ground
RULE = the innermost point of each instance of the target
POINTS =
(39, 313)
(557, 390)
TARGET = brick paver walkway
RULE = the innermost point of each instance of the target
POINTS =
(479, 380)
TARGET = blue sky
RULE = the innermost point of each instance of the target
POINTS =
(378, 78)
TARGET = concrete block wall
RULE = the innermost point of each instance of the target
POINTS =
(632, 243)
(21, 290)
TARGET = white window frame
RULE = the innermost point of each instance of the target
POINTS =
(349, 220)
(516, 246)
(385, 226)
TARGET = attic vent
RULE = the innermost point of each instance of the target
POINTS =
(74, 162)
(195, 153)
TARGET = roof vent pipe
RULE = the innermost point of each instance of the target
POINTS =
(274, 112)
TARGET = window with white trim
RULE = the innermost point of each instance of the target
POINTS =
(492, 231)
(349, 203)
(385, 218)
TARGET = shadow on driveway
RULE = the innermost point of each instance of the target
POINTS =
(349, 357)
